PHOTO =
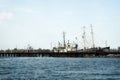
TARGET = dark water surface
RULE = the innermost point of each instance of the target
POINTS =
(37, 68)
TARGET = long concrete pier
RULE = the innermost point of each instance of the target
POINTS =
(65, 54)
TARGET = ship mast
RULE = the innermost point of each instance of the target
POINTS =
(84, 37)
(64, 39)
(106, 43)
(93, 45)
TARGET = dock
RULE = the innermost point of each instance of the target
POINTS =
(63, 54)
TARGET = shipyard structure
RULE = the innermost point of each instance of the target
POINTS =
(65, 49)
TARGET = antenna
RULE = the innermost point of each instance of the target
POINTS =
(93, 45)
(64, 39)
(84, 37)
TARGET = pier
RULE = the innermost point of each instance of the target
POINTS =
(64, 54)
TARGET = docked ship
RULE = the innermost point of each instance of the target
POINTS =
(66, 47)
(73, 47)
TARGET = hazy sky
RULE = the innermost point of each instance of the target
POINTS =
(41, 22)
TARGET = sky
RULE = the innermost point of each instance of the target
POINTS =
(40, 23)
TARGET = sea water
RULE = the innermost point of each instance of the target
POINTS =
(48, 68)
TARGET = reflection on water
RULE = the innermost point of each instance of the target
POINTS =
(37, 68)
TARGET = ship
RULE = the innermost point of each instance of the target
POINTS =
(73, 47)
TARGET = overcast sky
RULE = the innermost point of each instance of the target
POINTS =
(41, 22)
